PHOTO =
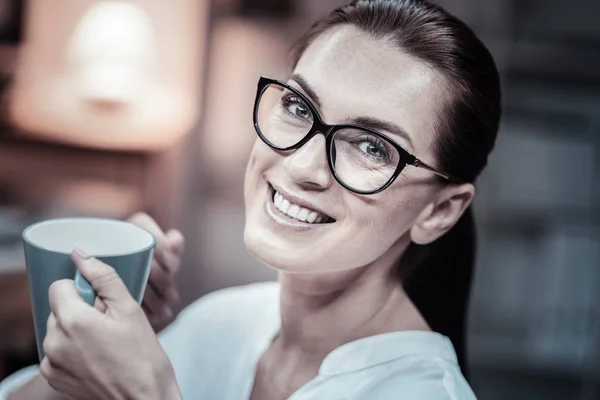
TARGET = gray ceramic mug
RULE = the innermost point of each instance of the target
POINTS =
(48, 246)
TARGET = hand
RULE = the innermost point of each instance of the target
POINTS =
(161, 293)
(108, 351)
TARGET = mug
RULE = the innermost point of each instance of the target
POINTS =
(48, 246)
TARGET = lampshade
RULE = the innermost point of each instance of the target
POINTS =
(113, 51)
(110, 74)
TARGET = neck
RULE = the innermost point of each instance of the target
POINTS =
(322, 312)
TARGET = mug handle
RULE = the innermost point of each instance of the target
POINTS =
(85, 290)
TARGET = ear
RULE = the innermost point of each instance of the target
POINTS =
(442, 213)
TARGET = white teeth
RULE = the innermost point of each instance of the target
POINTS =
(284, 206)
(297, 212)
(303, 214)
(293, 211)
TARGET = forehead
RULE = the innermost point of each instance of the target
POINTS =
(357, 75)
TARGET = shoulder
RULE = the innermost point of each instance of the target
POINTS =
(423, 378)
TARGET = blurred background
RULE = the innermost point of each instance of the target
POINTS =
(154, 114)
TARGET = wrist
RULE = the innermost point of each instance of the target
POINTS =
(161, 386)
(169, 389)
(172, 392)
(37, 388)
(162, 390)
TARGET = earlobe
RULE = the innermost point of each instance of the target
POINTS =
(438, 218)
(421, 230)
(428, 231)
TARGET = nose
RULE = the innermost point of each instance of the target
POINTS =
(308, 166)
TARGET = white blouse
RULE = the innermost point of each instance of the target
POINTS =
(216, 342)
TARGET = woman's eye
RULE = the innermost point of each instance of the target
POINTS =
(297, 108)
(371, 149)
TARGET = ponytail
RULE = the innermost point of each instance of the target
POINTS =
(437, 278)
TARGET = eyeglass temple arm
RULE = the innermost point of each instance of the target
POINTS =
(420, 164)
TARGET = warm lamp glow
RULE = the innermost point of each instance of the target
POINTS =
(113, 50)
(110, 74)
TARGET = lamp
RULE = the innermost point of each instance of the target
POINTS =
(113, 51)
(120, 75)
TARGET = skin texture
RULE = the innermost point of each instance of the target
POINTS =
(336, 283)
(106, 351)
(160, 296)
(336, 279)
(366, 227)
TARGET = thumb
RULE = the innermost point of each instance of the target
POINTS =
(104, 279)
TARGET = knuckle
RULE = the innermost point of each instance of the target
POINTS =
(182, 239)
(68, 323)
(46, 369)
(154, 303)
(53, 381)
(139, 217)
(131, 307)
(50, 325)
(143, 220)
(159, 280)
(155, 269)
(105, 275)
(72, 323)
(172, 295)
(149, 297)
(51, 348)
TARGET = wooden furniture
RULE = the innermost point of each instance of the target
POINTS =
(44, 180)
(47, 179)
(17, 336)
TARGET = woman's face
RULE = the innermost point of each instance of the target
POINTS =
(353, 76)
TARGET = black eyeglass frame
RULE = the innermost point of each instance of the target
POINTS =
(328, 130)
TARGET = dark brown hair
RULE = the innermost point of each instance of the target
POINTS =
(438, 276)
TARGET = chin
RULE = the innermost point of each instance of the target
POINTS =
(280, 241)
(276, 254)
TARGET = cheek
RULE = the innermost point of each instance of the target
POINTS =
(381, 221)
(260, 160)
(252, 161)
(261, 156)
(383, 224)
(257, 160)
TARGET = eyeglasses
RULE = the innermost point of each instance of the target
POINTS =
(362, 160)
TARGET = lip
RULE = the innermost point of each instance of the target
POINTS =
(299, 201)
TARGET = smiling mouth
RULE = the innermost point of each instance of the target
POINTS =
(296, 212)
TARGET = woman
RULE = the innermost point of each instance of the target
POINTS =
(367, 221)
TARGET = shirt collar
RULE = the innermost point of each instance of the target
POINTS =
(366, 352)
(379, 349)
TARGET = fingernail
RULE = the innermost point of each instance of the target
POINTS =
(168, 312)
(81, 253)
(171, 261)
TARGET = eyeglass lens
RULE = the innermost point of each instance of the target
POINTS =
(361, 159)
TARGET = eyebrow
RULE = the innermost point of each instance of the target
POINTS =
(367, 122)
(307, 89)
(379, 125)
